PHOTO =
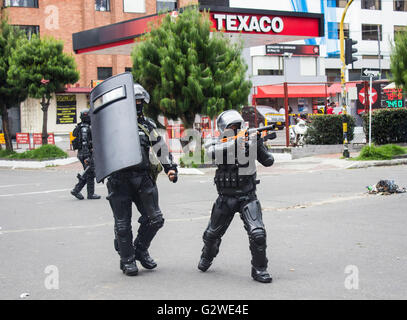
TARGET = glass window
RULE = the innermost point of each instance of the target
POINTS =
(371, 31)
(372, 4)
(337, 3)
(134, 6)
(334, 28)
(166, 5)
(400, 5)
(398, 29)
(104, 73)
(21, 3)
(268, 65)
(29, 30)
(128, 69)
(102, 5)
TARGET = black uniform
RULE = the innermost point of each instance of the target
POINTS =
(138, 186)
(237, 193)
(83, 132)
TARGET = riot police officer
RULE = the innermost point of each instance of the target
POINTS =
(83, 143)
(236, 185)
(138, 184)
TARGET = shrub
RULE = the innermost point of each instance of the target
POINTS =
(388, 125)
(385, 152)
(328, 129)
(44, 152)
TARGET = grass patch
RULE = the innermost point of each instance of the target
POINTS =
(385, 152)
(45, 152)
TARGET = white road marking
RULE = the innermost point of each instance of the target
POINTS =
(38, 192)
(18, 185)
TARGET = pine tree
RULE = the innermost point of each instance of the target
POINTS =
(398, 63)
(187, 71)
(43, 68)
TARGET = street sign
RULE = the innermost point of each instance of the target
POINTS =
(367, 73)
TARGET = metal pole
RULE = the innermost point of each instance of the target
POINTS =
(370, 112)
(342, 43)
(287, 125)
(378, 43)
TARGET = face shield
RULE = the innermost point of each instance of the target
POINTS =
(229, 118)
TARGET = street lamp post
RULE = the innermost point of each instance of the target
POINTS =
(287, 131)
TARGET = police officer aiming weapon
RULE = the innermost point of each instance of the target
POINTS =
(236, 185)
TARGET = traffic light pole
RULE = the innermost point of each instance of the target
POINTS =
(343, 69)
(370, 111)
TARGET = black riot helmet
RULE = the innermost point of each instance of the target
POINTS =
(141, 96)
(85, 117)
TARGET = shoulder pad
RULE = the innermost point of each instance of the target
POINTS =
(151, 122)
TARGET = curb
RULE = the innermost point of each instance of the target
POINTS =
(377, 163)
(14, 164)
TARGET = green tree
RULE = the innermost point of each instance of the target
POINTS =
(187, 71)
(398, 60)
(41, 65)
(10, 95)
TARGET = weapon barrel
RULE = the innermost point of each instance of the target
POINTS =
(266, 128)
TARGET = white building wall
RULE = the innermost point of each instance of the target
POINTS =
(32, 115)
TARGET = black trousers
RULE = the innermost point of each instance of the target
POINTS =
(140, 189)
(222, 214)
(89, 177)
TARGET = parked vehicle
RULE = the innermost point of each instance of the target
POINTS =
(256, 116)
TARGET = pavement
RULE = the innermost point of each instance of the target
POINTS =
(327, 238)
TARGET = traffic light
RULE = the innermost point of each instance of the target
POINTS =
(349, 51)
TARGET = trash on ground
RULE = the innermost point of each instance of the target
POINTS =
(24, 295)
(385, 187)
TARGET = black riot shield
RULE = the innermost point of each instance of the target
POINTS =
(115, 134)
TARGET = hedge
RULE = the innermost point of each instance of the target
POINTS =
(388, 126)
(328, 129)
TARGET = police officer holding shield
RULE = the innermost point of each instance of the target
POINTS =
(130, 152)
(235, 180)
(83, 143)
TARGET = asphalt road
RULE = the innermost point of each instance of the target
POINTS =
(327, 239)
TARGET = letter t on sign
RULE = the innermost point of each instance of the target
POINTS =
(220, 18)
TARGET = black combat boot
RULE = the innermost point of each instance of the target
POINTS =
(91, 190)
(261, 275)
(204, 263)
(76, 192)
(129, 268)
(145, 259)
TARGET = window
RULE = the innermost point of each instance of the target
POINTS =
(372, 4)
(371, 31)
(29, 30)
(104, 73)
(371, 56)
(134, 6)
(166, 5)
(398, 29)
(21, 3)
(334, 28)
(400, 5)
(308, 66)
(128, 69)
(102, 5)
(268, 66)
(337, 3)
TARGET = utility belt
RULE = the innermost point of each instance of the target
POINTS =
(129, 173)
(225, 179)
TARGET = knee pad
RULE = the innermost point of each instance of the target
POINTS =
(258, 237)
(123, 229)
(157, 222)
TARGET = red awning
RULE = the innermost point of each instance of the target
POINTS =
(337, 87)
(294, 91)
